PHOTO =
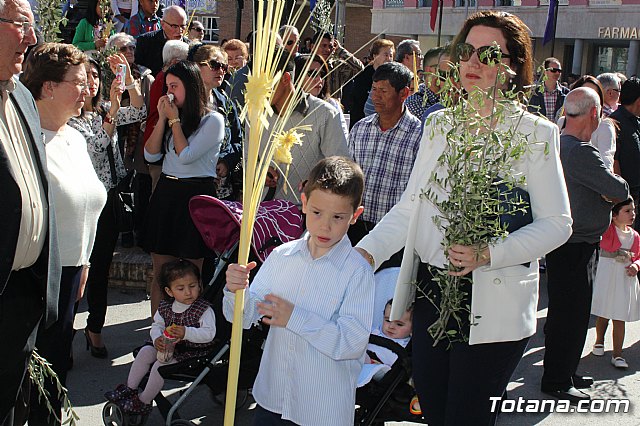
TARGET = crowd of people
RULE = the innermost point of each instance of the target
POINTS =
(147, 98)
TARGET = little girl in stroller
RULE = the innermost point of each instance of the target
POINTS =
(190, 319)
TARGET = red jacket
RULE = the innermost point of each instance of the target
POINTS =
(610, 242)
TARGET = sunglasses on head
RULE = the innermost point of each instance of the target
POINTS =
(215, 65)
(486, 54)
(554, 69)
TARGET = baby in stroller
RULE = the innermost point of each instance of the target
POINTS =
(398, 331)
(384, 389)
(190, 319)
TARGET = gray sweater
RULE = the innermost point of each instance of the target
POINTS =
(588, 181)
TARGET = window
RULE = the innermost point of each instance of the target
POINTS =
(610, 59)
(210, 29)
(464, 3)
(504, 2)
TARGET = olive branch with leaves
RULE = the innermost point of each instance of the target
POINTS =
(475, 171)
(39, 372)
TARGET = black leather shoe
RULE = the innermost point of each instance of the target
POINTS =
(582, 382)
(573, 395)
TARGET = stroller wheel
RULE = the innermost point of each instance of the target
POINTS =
(181, 422)
(112, 415)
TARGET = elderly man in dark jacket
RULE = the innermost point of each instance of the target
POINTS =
(29, 261)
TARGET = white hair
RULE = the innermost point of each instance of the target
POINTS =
(288, 29)
(174, 9)
(174, 49)
(120, 38)
(609, 80)
(580, 101)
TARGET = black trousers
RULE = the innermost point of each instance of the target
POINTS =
(359, 230)
(454, 383)
(101, 257)
(569, 284)
(54, 343)
(21, 308)
(142, 194)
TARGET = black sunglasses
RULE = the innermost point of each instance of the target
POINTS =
(215, 65)
(315, 73)
(554, 69)
(486, 54)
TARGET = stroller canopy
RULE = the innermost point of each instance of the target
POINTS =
(277, 222)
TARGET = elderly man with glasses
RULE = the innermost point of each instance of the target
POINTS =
(29, 257)
(611, 85)
(548, 98)
(290, 39)
(149, 46)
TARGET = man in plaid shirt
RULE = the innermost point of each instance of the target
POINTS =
(145, 21)
(548, 101)
(385, 145)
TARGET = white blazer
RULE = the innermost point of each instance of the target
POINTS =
(505, 293)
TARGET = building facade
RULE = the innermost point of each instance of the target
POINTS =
(592, 36)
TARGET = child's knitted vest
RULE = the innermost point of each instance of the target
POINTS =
(189, 318)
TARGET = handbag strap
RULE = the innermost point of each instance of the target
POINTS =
(112, 164)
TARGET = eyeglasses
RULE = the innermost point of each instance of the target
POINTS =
(486, 54)
(215, 65)
(198, 29)
(554, 70)
(315, 73)
(25, 26)
(237, 58)
(128, 47)
(82, 85)
(175, 26)
(292, 42)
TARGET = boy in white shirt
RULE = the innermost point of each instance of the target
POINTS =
(317, 295)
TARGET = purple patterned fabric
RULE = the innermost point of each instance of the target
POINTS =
(219, 223)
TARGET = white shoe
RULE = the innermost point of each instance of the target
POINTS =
(598, 349)
(619, 362)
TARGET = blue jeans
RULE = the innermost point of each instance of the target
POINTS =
(264, 417)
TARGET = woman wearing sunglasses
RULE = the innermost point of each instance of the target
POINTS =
(212, 61)
(315, 83)
(190, 134)
(455, 383)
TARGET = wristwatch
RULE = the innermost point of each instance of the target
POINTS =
(173, 121)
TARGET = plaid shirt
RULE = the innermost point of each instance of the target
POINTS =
(386, 159)
(550, 99)
(139, 24)
(420, 101)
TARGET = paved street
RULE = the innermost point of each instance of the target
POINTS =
(128, 326)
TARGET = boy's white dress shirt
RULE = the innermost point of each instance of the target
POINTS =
(309, 369)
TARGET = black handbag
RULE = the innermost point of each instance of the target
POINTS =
(123, 201)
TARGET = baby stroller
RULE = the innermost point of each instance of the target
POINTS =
(218, 221)
(389, 397)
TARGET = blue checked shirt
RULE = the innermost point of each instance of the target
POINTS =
(309, 369)
(420, 101)
(386, 158)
